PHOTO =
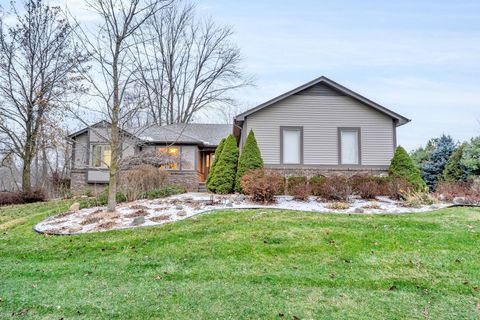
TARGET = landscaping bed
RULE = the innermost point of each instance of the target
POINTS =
(178, 207)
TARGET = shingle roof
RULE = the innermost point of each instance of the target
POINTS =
(195, 133)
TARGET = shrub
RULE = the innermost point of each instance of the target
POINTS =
(262, 185)
(448, 190)
(432, 169)
(34, 195)
(218, 152)
(455, 170)
(163, 192)
(250, 158)
(402, 166)
(335, 188)
(139, 179)
(9, 198)
(316, 184)
(294, 182)
(102, 198)
(223, 179)
(300, 192)
(398, 187)
(417, 199)
(369, 187)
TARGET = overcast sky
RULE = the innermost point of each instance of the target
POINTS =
(418, 58)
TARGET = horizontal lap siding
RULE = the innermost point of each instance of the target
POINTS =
(320, 117)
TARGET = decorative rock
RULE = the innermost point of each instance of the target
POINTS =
(179, 207)
(240, 198)
(181, 213)
(359, 210)
(436, 206)
(74, 207)
(138, 221)
(229, 204)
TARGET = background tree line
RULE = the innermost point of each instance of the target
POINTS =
(140, 63)
(443, 159)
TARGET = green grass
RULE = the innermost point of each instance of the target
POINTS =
(247, 264)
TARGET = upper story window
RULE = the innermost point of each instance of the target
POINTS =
(291, 149)
(349, 146)
(100, 155)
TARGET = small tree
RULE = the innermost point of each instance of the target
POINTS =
(223, 179)
(432, 169)
(402, 166)
(250, 158)
(454, 169)
(471, 157)
(211, 172)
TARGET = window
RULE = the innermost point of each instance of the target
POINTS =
(291, 145)
(101, 155)
(174, 152)
(349, 139)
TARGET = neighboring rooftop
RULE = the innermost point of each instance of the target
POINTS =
(206, 134)
(192, 133)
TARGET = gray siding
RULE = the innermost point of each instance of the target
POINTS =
(80, 151)
(321, 116)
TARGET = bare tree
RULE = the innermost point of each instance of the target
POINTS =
(188, 64)
(38, 70)
(114, 66)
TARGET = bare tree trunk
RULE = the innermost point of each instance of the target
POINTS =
(112, 185)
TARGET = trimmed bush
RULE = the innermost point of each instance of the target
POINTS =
(301, 192)
(294, 182)
(20, 197)
(335, 188)
(218, 152)
(316, 184)
(223, 179)
(402, 166)
(262, 185)
(250, 158)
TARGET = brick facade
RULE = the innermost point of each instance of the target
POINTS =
(311, 172)
(186, 179)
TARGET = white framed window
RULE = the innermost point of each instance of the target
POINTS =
(100, 155)
(349, 146)
(291, 147)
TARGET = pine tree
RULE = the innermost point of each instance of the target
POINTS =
(250, 158)
(432, 169)
(471, 157)
(218, 151)
(454, 169)
(223, 179)
(403, 166)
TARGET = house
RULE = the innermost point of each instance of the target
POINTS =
(322, 128)
(319, 128)
(193, 144)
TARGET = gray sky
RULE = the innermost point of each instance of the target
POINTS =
(419, 58)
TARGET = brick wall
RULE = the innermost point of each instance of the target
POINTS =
(188, 180)
(310, 172)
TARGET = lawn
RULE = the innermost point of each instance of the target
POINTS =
(248, 264)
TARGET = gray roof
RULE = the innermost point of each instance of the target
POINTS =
(400, 120)
(194, 133)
